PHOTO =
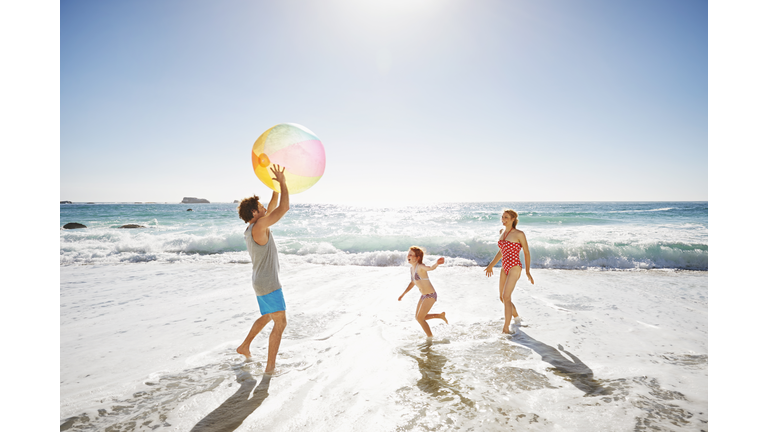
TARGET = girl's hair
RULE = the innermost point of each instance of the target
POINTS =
(513, 215)
(419, 252)
(246, 207)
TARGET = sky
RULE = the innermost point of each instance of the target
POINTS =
(530, 100)
(414, 100)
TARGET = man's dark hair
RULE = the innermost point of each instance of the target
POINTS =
(246, 207)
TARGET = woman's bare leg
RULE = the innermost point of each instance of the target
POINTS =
(506, 294)
(502, 281)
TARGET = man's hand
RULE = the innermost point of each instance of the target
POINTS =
(279, 176)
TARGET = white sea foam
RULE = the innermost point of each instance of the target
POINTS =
(152, 345)
(572, 236)
(149, 326)
(563, 248)
(643, 210)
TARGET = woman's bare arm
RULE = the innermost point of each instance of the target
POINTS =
(489, 269)
(524, 243)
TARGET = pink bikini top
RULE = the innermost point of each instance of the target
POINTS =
(415, 274)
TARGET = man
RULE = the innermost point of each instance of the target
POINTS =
(263, 252)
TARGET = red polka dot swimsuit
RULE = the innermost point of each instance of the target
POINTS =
(510, 254)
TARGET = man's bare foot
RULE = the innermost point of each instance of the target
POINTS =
(442, 317)
(244, 351)
(270, 370)
(505, 331)
(275, 372)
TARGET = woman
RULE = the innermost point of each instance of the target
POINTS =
(420, 279)
(511, 240)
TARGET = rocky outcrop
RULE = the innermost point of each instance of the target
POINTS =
(132, 226)
(237, 201)
(193, 200)
(74, 225)
(65, 202)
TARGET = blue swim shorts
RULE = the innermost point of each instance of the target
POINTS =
(272, 302)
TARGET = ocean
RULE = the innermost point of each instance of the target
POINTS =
(599, 235)
(614, 334)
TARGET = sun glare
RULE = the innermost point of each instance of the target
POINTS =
(396, 6)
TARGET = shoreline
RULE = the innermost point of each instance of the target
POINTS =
(348, 334)
(498, 266)
(415, 203)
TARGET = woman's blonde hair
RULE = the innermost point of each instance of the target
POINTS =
(419, 252)
(513, 215)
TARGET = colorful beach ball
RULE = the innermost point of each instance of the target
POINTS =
(293, 147)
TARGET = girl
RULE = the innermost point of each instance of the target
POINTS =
(428, 294)
(511, 240)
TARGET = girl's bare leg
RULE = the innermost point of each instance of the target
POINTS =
(422, 310)
(506, 294)
(441, 315)
(258, 325)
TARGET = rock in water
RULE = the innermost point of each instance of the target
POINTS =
(132, 226)
(193, 200)
(74, 225)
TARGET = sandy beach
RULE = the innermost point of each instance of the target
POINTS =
(153, 345)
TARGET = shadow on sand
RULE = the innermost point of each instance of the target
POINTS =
(232, 413)
(431, 368)
(573, 370)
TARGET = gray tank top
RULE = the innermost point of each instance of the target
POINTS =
(265, 264)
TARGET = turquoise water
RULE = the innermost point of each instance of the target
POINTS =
(582, 235)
